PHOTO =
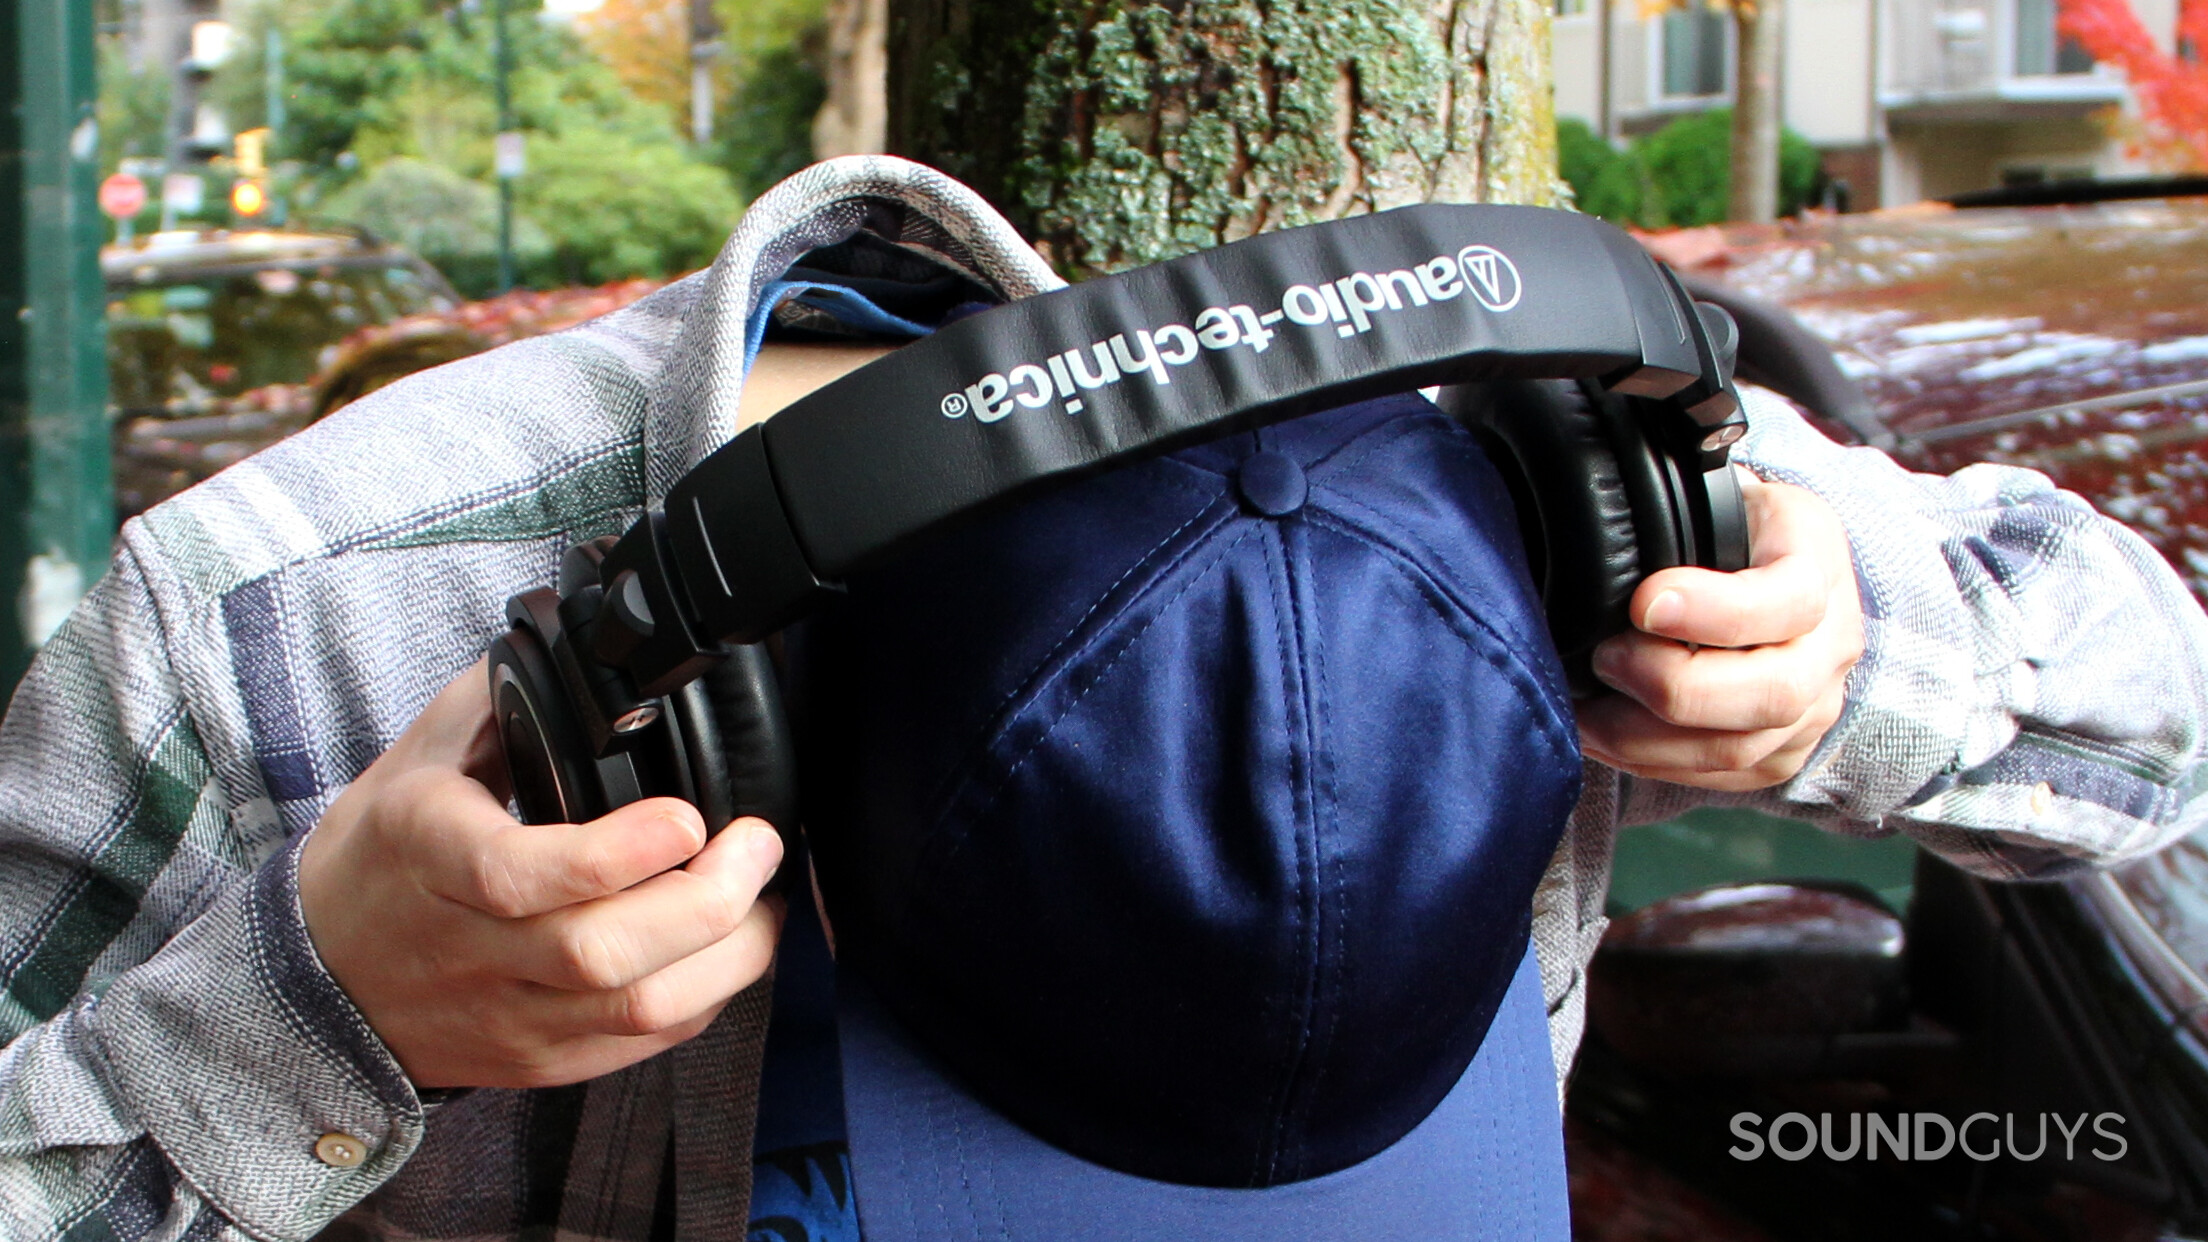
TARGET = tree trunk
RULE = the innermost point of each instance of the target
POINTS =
(1117, 133)
(852, 118)
(1755, 174)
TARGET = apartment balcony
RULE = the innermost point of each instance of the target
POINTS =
(1986, 60)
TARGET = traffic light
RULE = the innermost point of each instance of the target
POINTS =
(249, 193)
(247, 198)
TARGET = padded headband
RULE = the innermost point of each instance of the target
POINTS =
(1249, 333)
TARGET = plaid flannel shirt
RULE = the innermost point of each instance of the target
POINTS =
(175, 1049)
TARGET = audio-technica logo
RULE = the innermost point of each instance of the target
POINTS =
(1493, 277)
(1927, 1136)
(1351, 305)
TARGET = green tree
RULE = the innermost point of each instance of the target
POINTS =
(133, 106)
(767, 125)
(1678, 176)
(774, 54)
(641, 210)
(391, 101)
(1605, 181)
(448, 219)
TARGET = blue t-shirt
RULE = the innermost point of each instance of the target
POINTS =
(801, 1163)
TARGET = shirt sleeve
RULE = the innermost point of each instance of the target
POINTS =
(2033, 694)
(174, 1050)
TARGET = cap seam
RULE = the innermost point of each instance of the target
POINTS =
(1495, 649)
(1266, 1163)
(1026, 750)
(947, 792)
(1303, 657)
(1323, 780)
(1374, 438)
(1037, 678)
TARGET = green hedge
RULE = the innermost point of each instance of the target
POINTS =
(1678, 176)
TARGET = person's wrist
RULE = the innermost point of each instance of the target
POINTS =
(249, 1066)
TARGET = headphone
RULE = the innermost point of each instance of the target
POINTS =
(1601, 390)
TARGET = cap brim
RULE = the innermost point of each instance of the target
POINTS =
(931, 1163)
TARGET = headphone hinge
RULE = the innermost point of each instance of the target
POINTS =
(642, 624)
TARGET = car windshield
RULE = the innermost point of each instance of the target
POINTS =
(179, 343)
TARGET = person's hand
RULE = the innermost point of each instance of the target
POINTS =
(1731, 680)
(490, 953)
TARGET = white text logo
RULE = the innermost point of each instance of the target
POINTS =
(1351, 305)
(1928, 1136)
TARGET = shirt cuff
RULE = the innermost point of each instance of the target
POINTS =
(1914, 701)
(252, 1070)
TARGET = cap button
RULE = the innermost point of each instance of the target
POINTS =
(340, 1151)
(1272, 484)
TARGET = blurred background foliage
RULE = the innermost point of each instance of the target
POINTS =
(390, 110)
(1677, 176)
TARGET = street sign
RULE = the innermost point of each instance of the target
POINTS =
(507, 158)
(122, 196)
(183, 193)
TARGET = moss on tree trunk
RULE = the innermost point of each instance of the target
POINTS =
(1120, 133)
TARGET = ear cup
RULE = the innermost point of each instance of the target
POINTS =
(553, 778)
(1594, 502)
(736, 737)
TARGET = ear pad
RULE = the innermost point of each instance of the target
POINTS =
(1594, 502)
(737, 741)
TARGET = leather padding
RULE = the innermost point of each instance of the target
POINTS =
(1595, 502)
(736, 737)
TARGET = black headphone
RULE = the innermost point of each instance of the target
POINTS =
(1603, 393)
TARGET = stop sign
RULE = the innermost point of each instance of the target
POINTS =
(122, 196)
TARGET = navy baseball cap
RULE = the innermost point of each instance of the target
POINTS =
(1179, 828)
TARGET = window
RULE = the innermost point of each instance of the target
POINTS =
(1694, 43)
(2039, 50)
(2017, 176)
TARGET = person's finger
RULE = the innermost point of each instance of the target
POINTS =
(1776, 768)
(748, 848)
(1625, 734)
(1715, 688)
(595, 1056)
(1770, 603)
(614, 941)
(1762, 777)
(676, 994)
(514, 870)
(556, 1063)
(1801, 556)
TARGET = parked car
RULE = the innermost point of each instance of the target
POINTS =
(1850, 981)
(349, 315)
(2072, 338)
(213, 338)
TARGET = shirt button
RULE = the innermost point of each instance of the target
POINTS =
(2043, 798)
(340, 1151)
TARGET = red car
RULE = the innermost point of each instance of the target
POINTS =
(1761, 975)
(2069, 338)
